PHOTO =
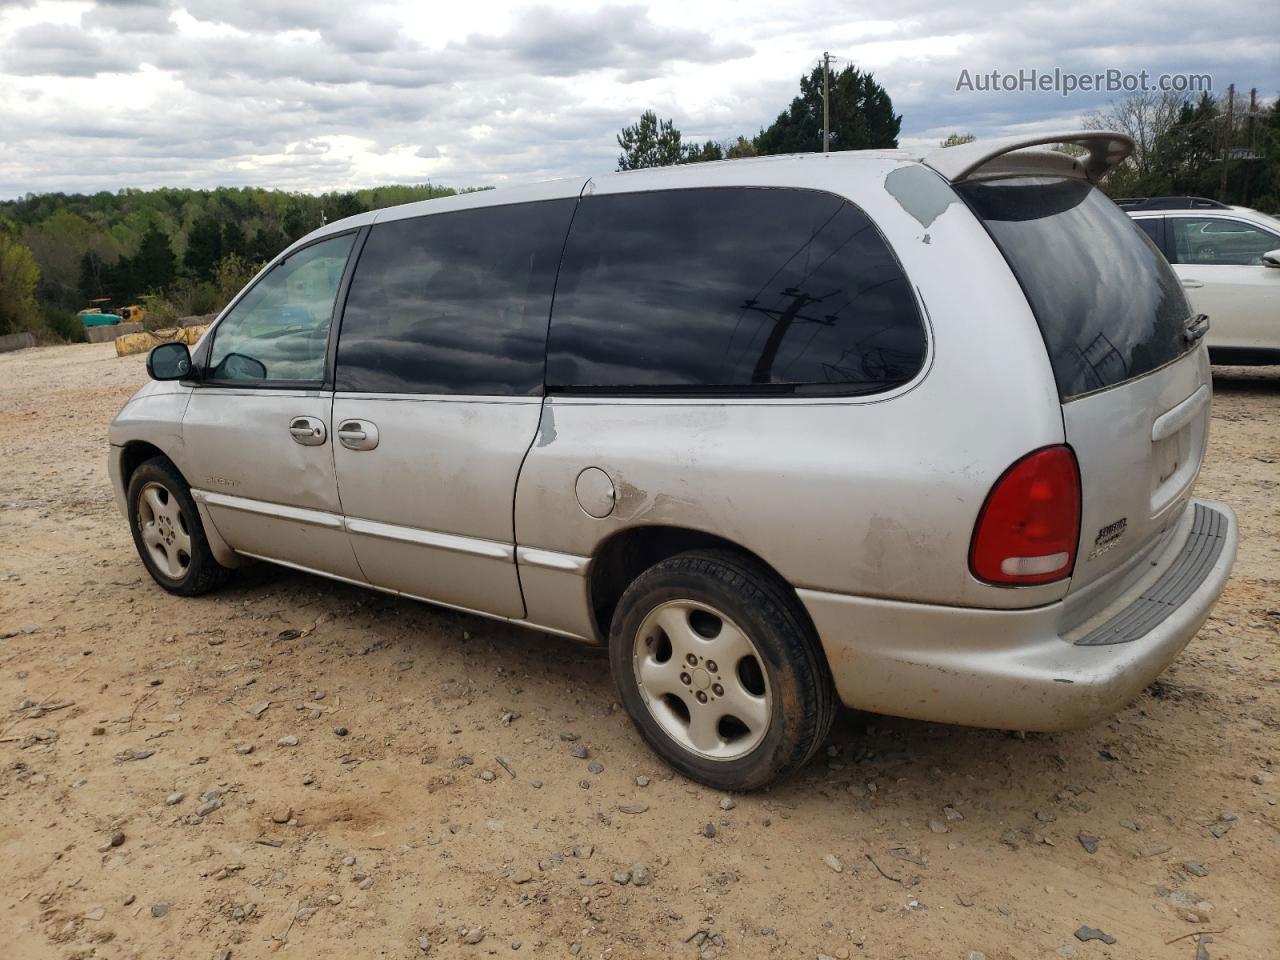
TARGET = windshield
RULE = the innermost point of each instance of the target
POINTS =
(1109, 306)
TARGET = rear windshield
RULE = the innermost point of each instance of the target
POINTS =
(1109, 306)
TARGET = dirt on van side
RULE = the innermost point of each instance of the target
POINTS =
(296, 767)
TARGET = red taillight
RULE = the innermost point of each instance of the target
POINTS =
(1029, 527)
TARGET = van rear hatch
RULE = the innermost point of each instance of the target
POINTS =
(1121, 340)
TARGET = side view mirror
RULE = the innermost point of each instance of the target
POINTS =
(1271, 258)
(169, 361)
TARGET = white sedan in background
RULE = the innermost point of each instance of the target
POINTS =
(1228, 259)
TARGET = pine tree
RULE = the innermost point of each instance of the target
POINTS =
(154, 266)
(695, 153)
(861, 115)
(649, 143)
(204, 248)
(234, 240)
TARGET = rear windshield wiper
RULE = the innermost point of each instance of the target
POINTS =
(1196, 327)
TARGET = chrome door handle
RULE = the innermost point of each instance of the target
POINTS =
(308, 431)
(1193, 284)
(358, 434)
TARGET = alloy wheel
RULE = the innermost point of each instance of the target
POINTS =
(164, 530)
(702, 679)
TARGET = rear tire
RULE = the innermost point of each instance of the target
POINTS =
(720, 670)
(168, 533)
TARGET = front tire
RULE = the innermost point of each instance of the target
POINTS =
(721, 672)
(168, 533)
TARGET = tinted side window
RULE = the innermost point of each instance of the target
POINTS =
(730, 289)
(1221, 242)
(454, 303)
(279, 330)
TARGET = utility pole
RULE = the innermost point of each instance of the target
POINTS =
(1253, 110)
(826, 102)
(1226, 141)
(1253, 151)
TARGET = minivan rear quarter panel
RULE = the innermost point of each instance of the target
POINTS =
(870, 495)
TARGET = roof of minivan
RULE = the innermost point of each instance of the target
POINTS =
(572, 186)
(1007, 156)
(844, 156)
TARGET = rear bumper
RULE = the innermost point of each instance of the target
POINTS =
(1016, 669)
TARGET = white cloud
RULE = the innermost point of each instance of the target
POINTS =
(323, 94)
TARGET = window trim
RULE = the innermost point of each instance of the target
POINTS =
(340, 307)
(200, 362)
(757, 392)
(782, 391)
(1210, 215)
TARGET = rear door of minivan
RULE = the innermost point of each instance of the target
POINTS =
(1125, 352)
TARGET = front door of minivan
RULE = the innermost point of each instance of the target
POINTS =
(439, 392)
(256, 432)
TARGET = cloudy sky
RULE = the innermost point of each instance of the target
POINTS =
(323, 94)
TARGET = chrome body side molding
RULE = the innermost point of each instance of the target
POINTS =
(316, 518)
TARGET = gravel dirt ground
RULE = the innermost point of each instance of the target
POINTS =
(298, 767)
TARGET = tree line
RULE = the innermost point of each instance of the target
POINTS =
(181, 252)
(1202, 148)
(1190, 148)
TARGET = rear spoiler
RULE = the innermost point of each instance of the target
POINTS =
(1010, 156)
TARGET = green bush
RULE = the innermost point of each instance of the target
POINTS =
(205, 298)
(232, 274)
(161, 311)
(185, 298)
(64, 325)
(18, 277)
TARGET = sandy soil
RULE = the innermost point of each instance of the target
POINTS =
(452, 818)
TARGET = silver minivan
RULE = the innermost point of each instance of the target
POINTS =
(917, 434)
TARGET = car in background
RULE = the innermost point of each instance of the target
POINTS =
(1228, 259)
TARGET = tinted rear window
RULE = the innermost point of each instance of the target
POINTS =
(1109, 306)
(454, 303)
(730, 290)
